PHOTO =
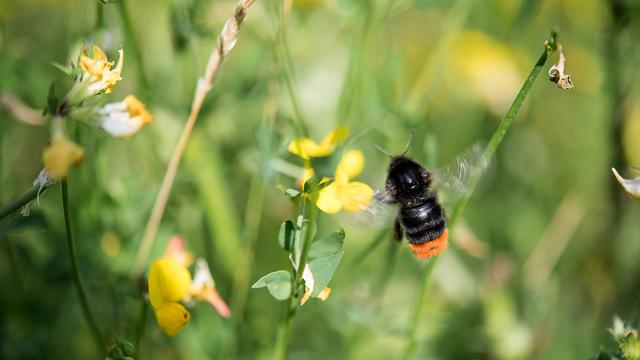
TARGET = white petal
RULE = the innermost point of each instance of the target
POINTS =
(307, 276)
(119, 124)
(202, 277)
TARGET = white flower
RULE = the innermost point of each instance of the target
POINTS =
(125, 118)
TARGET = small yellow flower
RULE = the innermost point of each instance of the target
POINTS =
(343, 193)
(307, 148)
(60, 155)
(125, 118)
(170, 283)
(98, 70)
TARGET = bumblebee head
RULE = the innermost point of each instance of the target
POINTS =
(406, 178)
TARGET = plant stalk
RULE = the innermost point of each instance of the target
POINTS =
(494, 143)
(20, 200)
(284, 331)
(73, 256)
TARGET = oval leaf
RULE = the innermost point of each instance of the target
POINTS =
(278, 283)
(327, 245)
(286, 236)
(322, 270)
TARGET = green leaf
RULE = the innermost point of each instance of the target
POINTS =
(52, 101)
(278, 283)
(323, 270)
(327, 245)
(287, 235)
(67, 70)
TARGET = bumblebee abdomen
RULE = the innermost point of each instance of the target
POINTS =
(424, 222)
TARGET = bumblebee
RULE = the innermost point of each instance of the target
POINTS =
(420, 216)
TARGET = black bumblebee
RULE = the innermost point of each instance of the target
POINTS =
(421, 217)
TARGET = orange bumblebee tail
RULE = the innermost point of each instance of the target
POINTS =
(431, 248)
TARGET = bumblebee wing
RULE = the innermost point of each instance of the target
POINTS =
(378, 214)
(455, 179)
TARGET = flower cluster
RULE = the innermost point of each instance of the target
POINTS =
(94, 75)
(170, 285)
(341, 193)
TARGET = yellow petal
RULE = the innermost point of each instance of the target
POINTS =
(172, 317)
(304, 148)
(336, 136)
(61, 154)
(168, 282)
(324, 294)
(305, 297)
(98, 54)
(328, 200)
(351, 164)
(118, 68)
(355, 196)
(136, 109)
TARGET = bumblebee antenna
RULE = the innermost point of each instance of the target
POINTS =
(379, 148)
(406, 149)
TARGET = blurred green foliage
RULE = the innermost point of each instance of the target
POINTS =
(558, 239)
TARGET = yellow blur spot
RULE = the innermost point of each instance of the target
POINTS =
(110, 244)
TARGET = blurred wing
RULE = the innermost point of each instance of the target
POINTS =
(455, 180)
(378, 214)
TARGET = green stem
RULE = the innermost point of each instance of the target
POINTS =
(132, 42)
(141, 326)
(84, 304)
(494, 143)
(19, 201)
(284, 331)
(285, 66)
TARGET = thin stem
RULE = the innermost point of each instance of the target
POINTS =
(131, 40)
(252, 218)
(141, 326)
(284, 331)
(20, 200)
(84, 304)
(226, 40)
(285, 66)
(494, 143)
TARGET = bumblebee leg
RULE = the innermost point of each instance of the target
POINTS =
(397, 230)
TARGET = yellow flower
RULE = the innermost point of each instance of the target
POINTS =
(170, 283)
(60, 155)
(307, 148)
(125, 118)
(343, 193)
(98, 70)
